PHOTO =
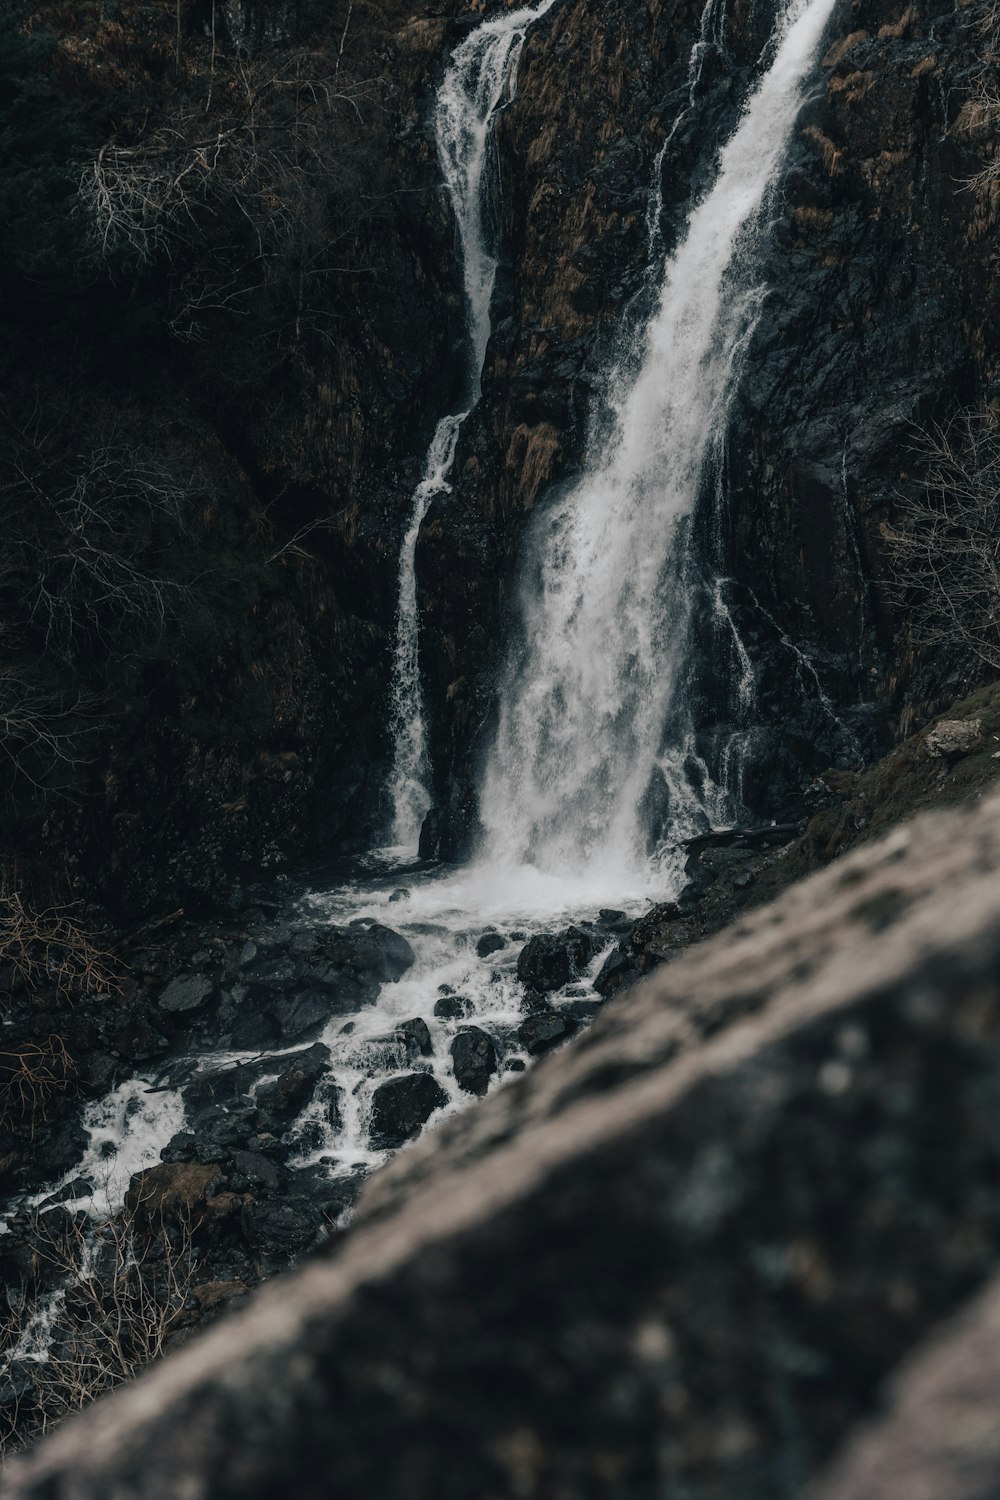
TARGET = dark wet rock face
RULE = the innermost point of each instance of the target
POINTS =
(253, 726)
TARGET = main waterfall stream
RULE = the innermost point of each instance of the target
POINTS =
(586, 798)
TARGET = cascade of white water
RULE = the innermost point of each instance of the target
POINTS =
(478, 81)
(607, 592)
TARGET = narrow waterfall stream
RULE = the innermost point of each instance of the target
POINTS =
(587, 795)
(478, 82)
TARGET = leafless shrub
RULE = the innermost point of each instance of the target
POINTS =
(51, 948)
(944, 545)
(43, 730)
(91, 518)
(31, 1074)
(979, 117)
(258, 188)
(120, 1294)
(79, 530)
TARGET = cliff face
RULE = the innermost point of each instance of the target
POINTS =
(276, 346)
(879, 319)
(250, 723)
(882, 321)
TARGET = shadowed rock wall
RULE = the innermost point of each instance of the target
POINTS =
(678, 1257)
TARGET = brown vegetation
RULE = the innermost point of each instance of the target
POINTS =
(115, 1297)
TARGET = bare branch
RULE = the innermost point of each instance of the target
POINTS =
(120, 1290)
(944, 545)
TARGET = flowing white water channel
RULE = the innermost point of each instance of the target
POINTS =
(480, 79)
(608, 592)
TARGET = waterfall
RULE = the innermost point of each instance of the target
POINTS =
(478, 82)
(593, 735)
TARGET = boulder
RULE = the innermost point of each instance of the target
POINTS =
(187, 992)
(289, 1093)
(617, 972)
(582, 1011)
(355, 961)
(452, 1007)
(550, 960)
(256, 1170)
(277, 1229)
(416, 1034)
(212, 1134)
(951, 738)
(173, 1191)
(490, 942)
(302, 1014)
(401, 1107)
(541, 1032)
(474, 1058)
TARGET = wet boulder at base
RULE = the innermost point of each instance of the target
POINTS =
(545, 1030)
(401, 1107)
(474, 1058)
(490, 942)
(351, 962)
(416, 1036)
(283, 1097)
(549, 960)
(617, 972)
(452, 1008)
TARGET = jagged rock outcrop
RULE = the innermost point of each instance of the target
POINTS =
(681, 1254)
(271, 356)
